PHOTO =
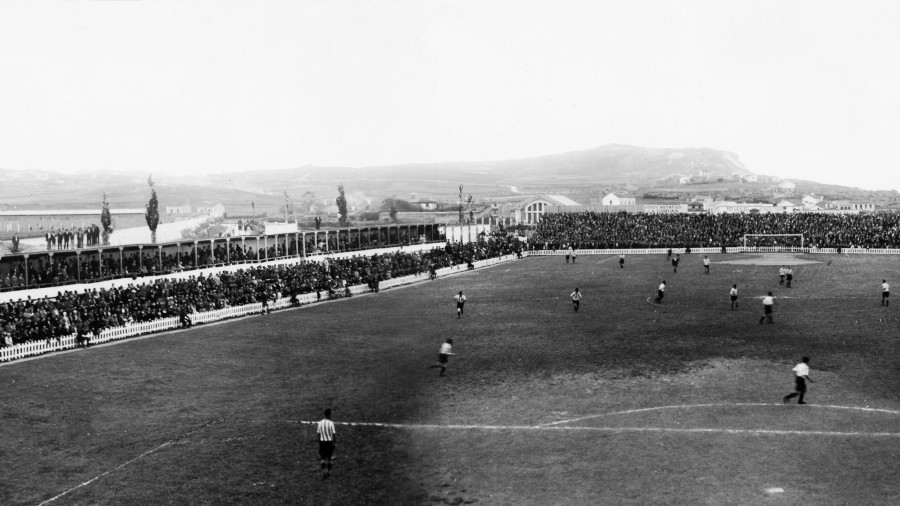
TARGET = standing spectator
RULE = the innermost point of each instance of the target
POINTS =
(79, 238)
(801, 376)
(15, 243)
(768, 302)
(325, 431)
(49, 237)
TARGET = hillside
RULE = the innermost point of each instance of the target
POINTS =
(584, 175)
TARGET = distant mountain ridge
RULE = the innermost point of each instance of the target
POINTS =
(576, 173)
(606, 165)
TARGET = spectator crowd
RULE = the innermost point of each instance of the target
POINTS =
(592, 230)
(94, 310)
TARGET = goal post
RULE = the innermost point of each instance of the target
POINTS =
(774, 236)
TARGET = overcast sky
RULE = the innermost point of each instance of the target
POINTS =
(803, 89)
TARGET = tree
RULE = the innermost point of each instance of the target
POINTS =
(106, 221)
(152, 212)
(341, 202)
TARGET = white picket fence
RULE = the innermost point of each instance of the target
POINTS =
(112, 334)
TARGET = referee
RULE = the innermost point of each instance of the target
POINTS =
(325, 430)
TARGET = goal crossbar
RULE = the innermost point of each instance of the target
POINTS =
(773, 235)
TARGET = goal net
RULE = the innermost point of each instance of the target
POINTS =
(773, 241)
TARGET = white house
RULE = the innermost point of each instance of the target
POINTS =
(182, 209)
(612, 200)
(785, 206)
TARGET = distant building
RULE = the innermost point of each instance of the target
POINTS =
(612, 200)
(425, 205)
(37, 222)
(742, 207)
(182, 209)
(787, 186)
(213, 209)
(809, 201)
(785, 206)
(664, 208)
(530, 211)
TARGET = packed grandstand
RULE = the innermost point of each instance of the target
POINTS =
(592, 230)
(92, 311)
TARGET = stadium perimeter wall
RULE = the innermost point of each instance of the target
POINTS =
(23, 350)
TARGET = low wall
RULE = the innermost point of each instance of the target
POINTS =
(23, 350)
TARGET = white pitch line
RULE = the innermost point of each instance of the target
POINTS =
(690, 406)
(120, 466)
(611, 429)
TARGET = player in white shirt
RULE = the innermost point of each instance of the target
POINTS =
(768, 302)
(885, 293)
(325, 430)
(801, 376)
(706, 263)
(781, 273)
(576, 299)
(660, 292)
(734, 301)
(460, 302)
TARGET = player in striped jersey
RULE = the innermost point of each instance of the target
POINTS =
(325, 430)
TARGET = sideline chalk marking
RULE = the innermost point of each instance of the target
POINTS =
(120, 466)
(560, 428)
(691, 406)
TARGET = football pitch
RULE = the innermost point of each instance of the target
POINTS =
(624, 402)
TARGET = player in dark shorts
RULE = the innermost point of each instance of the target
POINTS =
(661, 292)
(675, 263)
(622, 261)
(460, 304)
(444, 356)
(885, 293)
(325, 431)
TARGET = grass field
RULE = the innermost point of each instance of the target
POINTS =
(624, 402)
